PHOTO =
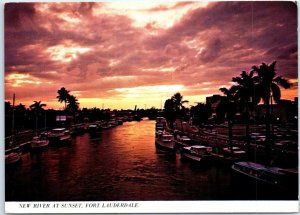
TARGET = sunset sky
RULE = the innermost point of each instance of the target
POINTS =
(122, 54)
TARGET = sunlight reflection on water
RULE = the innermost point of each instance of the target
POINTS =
(120, 163)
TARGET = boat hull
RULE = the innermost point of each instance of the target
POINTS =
(165, 146)
(12, 158)
(261, 190)
(59, 139)
(185, 155)
(38, 144)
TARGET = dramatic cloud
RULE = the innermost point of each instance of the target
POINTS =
(123, 54)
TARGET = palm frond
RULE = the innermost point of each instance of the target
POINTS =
(276, 92)
(282, 82)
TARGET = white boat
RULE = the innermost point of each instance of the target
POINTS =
(58, 135)
(236, 151)
(12, 158)
(266, 174)
(160, 120)
(196, 152)
(182, 141)
(160, 123)
(158, 133)
(39, 142)
(77, 129)
(165, 141)
(94, 128)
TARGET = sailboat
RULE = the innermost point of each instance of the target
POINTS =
(14, 155)
(41, 140)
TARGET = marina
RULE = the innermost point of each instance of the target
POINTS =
(121, 163)
(151, 107)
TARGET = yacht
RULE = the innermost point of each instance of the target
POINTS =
(196, 152)
(13, 157)
(58, 135)
(165, 141)
(260, 172)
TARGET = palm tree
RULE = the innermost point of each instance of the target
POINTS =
(229, 109)
(37, 107)
(267, 86)
(244, 91)
(63, 95)
(20, 115)
(73, 104)
(170, 111)
(177, 98)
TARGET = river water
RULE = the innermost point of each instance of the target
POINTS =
(120, 163)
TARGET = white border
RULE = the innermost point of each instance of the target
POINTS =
(154, 207)
(143, 206)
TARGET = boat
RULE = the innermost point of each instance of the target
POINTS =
(236, 152)
(260, 172)
(196, 153)
(182, 141)
(106, 125)
(77, 129)
(58, 135)
(13, 157)
(165, 141)
(113, 123)
(94, 128)
(40, 141)
(160, 123)
(159, 126)
(159, 133)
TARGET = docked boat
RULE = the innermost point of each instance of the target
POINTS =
(13, 157)
(196, 153)
(165, 141)
(266, 174)
(78, 129)
(106, 126)
(182, 141)
(158, 133)
(39, 142)
(236, 152)
(58, 135)
(94, 128)
(160, 123)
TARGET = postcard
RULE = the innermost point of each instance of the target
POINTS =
(151, 107)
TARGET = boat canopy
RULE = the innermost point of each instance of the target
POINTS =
(58, 129)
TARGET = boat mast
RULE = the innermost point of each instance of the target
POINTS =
(13, 119)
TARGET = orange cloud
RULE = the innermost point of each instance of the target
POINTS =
(125, 54)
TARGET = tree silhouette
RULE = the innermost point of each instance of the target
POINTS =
(20, 116)
(63, 95)
(244, 91)
(177, 98)
(267, 87)
(73, 104)
(170, 112)
(37, 108)
(229, 106)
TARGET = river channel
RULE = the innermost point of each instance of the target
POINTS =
(120, 163)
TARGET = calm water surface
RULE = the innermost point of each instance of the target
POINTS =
(121, 163)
